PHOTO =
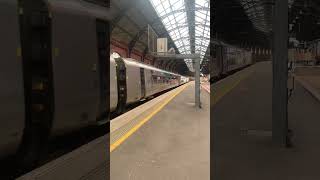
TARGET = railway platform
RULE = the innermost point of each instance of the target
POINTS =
(242, 115)
(88, 162)
(164, 138)
(309, 77)
(205, 86)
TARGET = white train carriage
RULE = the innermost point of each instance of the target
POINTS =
(51, 72)
(131, 81)
(12, 111)
(54, 74)
(227, 58)
(184, 79)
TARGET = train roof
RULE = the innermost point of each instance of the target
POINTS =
(135, 62)
(221, 43)
(139, 64)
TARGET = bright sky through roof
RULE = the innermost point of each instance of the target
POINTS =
(174, 17)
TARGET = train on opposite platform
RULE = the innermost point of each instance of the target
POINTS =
(305, 54)
(54, 74)
(228, 59)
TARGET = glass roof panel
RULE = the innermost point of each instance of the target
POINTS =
(202, 28)
(174, 17)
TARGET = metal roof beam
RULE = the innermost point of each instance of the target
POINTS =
(138, 35)
(184, 10)
(190, 8)
(185, 25)
(206, 38)
(119, 16)
(177, 56)
(130, 34)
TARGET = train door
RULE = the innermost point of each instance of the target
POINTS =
(143, 83)
(214, 65)
(102, 28)
(11, 79)
(35, 26)
(122, 85)
(180, 80)
(220, 59)
(148, 82)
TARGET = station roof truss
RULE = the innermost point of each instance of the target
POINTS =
(244, 23)
(304, 19)
(188, 24)
(129, 23)
(259, 13)
(248, 23)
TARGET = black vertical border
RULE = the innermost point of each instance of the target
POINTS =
(212, 34)
(108, 5)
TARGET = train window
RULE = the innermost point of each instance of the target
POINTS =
(105, 3)
(214, 50)
(154, 79)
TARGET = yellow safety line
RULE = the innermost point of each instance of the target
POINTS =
(216, 99)
(226, 91)
(146, 119)
(206, 89)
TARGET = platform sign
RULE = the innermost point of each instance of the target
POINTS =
(162, 45)
(152, 40)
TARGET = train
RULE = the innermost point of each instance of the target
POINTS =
(54, 74)
(227, 59)
(305, 54)
(132, 81)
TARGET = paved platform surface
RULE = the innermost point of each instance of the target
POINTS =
(307, 70)
(89, 162)
(244, 101)
(309, 77)
(173, 144)
(314, 81)
(205, 86)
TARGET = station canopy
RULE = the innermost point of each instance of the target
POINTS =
(188, 24)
